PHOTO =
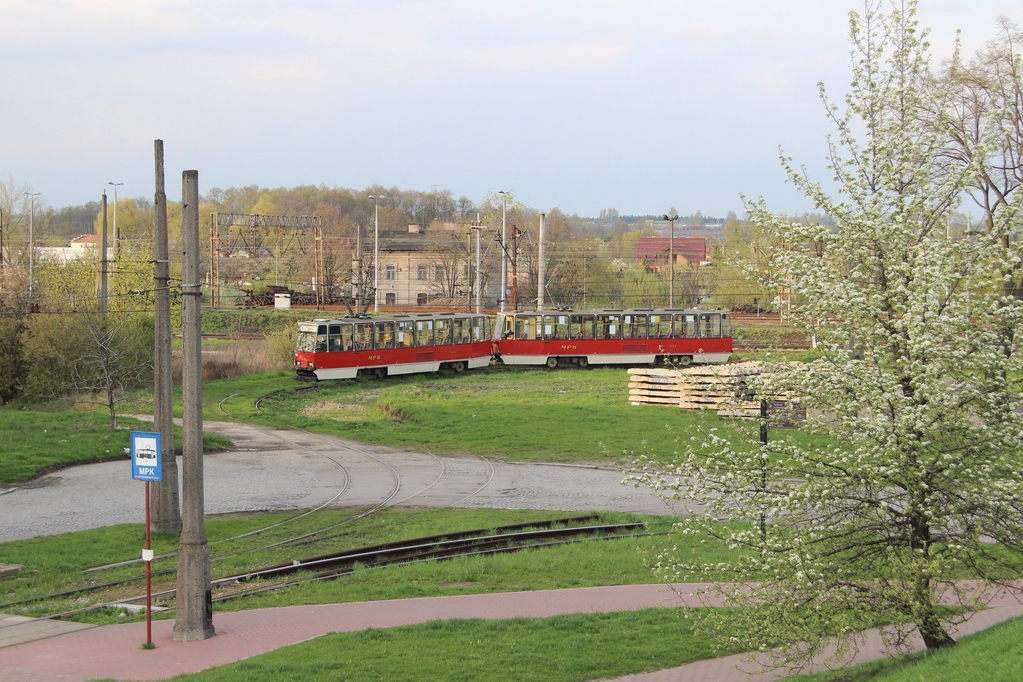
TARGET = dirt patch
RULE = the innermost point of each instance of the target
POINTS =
(344, 412)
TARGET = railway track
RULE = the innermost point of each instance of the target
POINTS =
(480, 542)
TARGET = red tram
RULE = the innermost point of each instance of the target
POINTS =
(399, 344)
(590, 337)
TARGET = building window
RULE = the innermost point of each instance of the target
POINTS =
(390, 299)
(439, 273)
(389, 272)
(421, 272)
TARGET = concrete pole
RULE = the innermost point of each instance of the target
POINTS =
(194, 619)
(671, 264)
(166, 511)
(541, 274)
(357, 271)
(31, 241)
(104, 265)
(504, 249)
(479, 287)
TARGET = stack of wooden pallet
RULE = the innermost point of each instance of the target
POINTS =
(709, 387)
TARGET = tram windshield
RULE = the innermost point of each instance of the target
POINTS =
(312, 338)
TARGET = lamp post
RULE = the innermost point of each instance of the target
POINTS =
(504, 248)
(376, 250)
(117, 237)
(671, 258)
(31, 240)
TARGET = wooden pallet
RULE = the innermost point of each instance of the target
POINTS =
(714, 387)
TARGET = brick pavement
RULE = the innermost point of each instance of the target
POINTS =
(114, 651)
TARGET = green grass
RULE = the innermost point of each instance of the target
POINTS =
(525, 415)
(54, 563)
(36, 442)
(563, 648)
(994, 655)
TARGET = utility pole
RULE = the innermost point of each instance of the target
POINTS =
(117, 236)
(104, 265)
(194, 620)
(541, 274)
(376, 250)
(504, 255)
(478, 226)
(515, 269)
(671, 258)
(166, 512)
(357, 271)
(31, 241)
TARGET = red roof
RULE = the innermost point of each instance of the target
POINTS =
(693, 249)
(86, 239)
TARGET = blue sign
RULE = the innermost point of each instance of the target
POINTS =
(146, 457)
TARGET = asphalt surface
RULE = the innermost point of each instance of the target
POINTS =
(271, 469)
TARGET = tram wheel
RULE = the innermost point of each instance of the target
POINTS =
(685, 360)
(584, 362)
(552, 362)
(458, 367)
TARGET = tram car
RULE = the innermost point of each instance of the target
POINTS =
(385, 346)
(609, 337)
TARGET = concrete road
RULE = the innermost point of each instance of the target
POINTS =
(271, 469)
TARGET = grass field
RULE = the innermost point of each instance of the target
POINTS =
(54, 564)
(994, 655)
(36, 442)
(525, 415)
(563, 648)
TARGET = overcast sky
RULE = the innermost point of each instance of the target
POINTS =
(584, 104)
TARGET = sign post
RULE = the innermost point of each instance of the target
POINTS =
(146, 465)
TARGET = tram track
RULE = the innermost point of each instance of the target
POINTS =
(480, 542)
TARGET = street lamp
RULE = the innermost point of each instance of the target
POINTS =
(376, 250)
(31, 240)
(117, 242)
(671, 259)
(504, 248)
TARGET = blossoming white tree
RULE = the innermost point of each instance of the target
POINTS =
(915, 482)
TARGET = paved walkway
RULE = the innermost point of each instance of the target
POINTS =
(114, 651)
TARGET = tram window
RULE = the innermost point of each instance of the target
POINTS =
(660, 326)
(405, 333)
(424, 332)
(634, 327)
(548, 327)
(509, 327)
(321, 338)
(526, 327)
(385, 335)
(608, 326)
(364, 336)
(443, 331)
(347, 338)
(479, 329)
(463, 330)
(561, 326)
(710, 326)
(581, 326)
(334, 338)
(685, 326)
(726, 326)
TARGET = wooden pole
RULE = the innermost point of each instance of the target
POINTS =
(166, 512)
(194, 607)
